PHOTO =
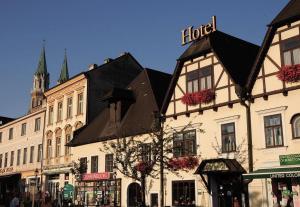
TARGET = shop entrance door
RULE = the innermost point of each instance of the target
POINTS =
(134, 195)
(53, 188)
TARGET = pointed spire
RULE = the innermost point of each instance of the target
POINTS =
(42, 65)
(64, 73)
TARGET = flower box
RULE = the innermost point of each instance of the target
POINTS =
(183, 163)
(205, 96)
(289, 73)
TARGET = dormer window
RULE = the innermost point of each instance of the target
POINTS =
(199, 80)
(291, 51)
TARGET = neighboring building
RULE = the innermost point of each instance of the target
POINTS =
(73, 103)
(21, 142)
(275, 113)
(129, 112)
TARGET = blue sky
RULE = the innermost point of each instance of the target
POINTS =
(94, 30)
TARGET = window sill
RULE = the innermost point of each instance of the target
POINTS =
(79, 114)
(276, 147)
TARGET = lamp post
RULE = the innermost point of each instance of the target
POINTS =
(35, 187)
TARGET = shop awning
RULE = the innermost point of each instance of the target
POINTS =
(282, 172)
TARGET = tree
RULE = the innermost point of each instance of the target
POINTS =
(149, 154)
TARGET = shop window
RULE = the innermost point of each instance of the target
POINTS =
(40, 151)
(199, 80)
(109, 163)
(1, 157)
(69, 107)
(83, 164)
(273, 130)
(291, 51)
(11, 133)
(23, 129)
(145, 152)
(18, 157)
(37, 124)
(94, 164)
(59, 111)
(25, 156)
(50, 115)
(12, 157)
(228, 137)
(80, 104)
(31, 154)
(296, 126)
(5, 159)
(184, 143)
(183, 193)
(57, 146)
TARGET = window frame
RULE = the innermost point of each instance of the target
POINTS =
(290, 49)
(59, 111)
(49, 149)
(50, 114)
(23, 129)
(94, 164)
(69, 108)
(1, 135)
(273, 127)
(109, 163)
(57, 146)
(294, 118)
(37, 124)
(1, 160)
(39, 153)
(24, 155)
(19, 157)
(183, 144)
(145, 152)
(67, 148)
(199, 76)
(5, 159)
(12, 158)
(179, 183)
(83, 161)
(11, 133)
(226, 134)
(80, 103)
(31, 154)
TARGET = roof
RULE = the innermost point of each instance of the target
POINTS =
(64, 73)
(272, 172)
(290, 13)
(236, 55)
(4, 120)
(42, 65)
(137, 115)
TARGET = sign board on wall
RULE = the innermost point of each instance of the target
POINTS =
(96, 176)
(292, 159)
(6, 170)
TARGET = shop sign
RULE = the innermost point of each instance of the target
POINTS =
(96, 176)
(6, 170)
(285, 175)
(292, 159)
(190, 34)
(68, 191)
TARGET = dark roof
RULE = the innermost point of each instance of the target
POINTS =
(4, 120)
(117, 94)
(236, 55)
(138, 116)
(290, 13)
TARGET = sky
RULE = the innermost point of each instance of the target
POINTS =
(93, 30)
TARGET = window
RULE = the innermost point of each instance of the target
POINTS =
(5, 159)
(59, 111)
(109, 163)
(228, 137)
(80, 104)
(0, 137)
(37, 124)
(291, 51)
(145, 152)
(199, 80)
(49, 149)
(296, 126)
(183, 193)
(273, 130)
(57, 147)
(12, 157)
(50, 115)
(11, 133)
(1, 160)
(69, 107)
(39, 155)
(68, 149)
(94, 164)
(18, 157)
(31, 154)
(23, 129)
(83, 164)
(25, 156)
(184, 143)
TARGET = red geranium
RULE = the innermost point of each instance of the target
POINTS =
(185, 163)
(205, 96)
(143, 167)
(289, 73)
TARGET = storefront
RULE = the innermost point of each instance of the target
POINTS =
(284, 181)
(9, 183)
(98, 189)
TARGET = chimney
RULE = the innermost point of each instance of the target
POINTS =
(107, 60)
(92, 66)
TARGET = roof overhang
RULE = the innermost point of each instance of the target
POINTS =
(280, 172)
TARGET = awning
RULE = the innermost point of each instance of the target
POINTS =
(282, 172)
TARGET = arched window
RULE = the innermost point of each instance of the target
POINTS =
(68, 133)
(58, 133)
(296, 126)
(49, 145)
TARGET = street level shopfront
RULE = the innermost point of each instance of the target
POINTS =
(10, 182)
(284, 181)
(98, 189)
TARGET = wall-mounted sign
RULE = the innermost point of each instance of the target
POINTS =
(190, 34)
(285, 175)
(6, 170)
(292, 159)
(96, 176)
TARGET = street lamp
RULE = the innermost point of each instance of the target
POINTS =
(35, 187)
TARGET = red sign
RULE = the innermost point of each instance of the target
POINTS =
(96, 176)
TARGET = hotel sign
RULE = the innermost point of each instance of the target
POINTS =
(96, 176)
(190, 34)
(6, 170)
(292, 159)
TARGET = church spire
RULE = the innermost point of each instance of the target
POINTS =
(42, 65)
(64, 73)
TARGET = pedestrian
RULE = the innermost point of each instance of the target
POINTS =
(236, 202)
(15, 202)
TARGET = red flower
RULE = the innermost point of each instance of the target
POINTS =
(143, 167)
(185, 163)
(289, 73)
(205, 96)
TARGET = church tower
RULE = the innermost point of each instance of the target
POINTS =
(40, 83)
(64, 73)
